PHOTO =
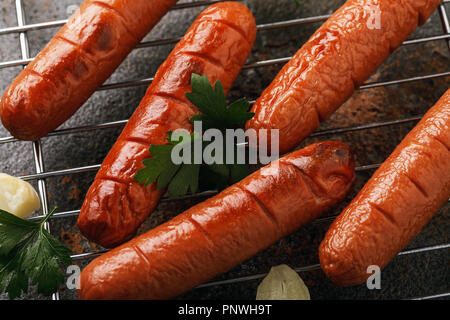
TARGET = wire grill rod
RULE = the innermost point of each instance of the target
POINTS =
(262, 27)
(315, 267)
(37, 150)
(123, 122)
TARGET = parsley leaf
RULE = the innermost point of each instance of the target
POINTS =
(216, 114)
(179, 179)
(186, 179)
(213, 104)
(28, 251)
(214, 177)
(12, 230)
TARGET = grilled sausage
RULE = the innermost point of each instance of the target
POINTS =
(218, 234)
(337, 59)
(395, 204)
(217, 45)
(79, 58)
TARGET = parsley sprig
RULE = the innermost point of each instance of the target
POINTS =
(29, 254)
(213, 105)
(215, 114)
(178, 178)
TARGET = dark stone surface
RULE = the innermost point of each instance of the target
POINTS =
(405, 277)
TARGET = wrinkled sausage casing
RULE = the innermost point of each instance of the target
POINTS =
(395, 204)
(216, 45)
(223, 231)
(336, 60)
(79, 58)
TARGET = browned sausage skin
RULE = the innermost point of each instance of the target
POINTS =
(395, 204)
(216, 45)
(79, 58)
(338, 58)
(223, 231)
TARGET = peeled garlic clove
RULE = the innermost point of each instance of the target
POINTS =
(282, 283)
(17, 196)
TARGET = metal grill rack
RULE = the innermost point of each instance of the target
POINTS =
(41, 174)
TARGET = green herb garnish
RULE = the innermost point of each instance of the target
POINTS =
(213, 104)
(178, 178)
(216, 114)
(29, 252)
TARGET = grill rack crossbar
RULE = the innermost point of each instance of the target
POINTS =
(41, 174)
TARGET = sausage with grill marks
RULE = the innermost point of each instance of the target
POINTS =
(216, 45)
(336, 60)
(396, 203)
(223, 231)
(79, 58)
